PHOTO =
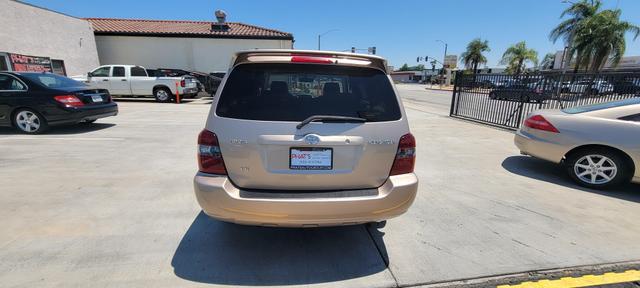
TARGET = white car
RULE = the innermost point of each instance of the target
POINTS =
(594, 87)
(132, 80)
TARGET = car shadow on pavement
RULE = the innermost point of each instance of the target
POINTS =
(80, 128)
(216, 252)
(556, 174)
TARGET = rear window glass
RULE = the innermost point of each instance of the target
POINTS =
(293, 92)
(601, 106)
(52, 80)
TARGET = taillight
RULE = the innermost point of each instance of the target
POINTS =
(540, 123)
(311, 59)
(183, 83)
(405, 156)
(209, 155)
(69, 100)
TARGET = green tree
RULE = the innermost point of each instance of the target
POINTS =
(473, 56)
(548, 61)
(579, 12)
(601, 38)
(517, 56)
(406, 67)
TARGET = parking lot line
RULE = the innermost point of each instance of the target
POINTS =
(582, 281)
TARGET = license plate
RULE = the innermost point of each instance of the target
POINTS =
(96, 98)
(311, 158)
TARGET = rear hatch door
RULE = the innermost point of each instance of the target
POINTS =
(258, 115)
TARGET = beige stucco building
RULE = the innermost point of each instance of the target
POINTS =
(52, 39)
(37, 39)
(190, 45)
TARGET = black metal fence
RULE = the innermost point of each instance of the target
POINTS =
(505, 100)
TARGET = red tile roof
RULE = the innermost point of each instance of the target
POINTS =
(177, 28)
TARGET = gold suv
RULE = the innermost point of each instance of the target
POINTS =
(304, 139)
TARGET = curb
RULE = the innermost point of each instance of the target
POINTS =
(534, 275)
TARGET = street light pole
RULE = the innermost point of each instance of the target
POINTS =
(445, 55)
(322, 34)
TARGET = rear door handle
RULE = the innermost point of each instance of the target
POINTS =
(123, 80)
(105, 79)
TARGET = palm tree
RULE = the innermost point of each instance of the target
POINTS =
(601, 38)
(548, 61)
(517, 56)
(473, 56)
(567, 29)
(579, 11)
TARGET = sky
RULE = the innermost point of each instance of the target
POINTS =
(400, 30)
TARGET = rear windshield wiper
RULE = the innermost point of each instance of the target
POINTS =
(329, 118)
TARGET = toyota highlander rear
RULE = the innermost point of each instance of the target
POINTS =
(301, 138)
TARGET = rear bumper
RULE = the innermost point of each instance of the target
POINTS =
(189, 91)
(220, 199)
(538, 147)
(76, 115)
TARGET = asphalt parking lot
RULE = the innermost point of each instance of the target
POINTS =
(112, 205)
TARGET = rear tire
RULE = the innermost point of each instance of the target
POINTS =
(29, 121)
(162, 95)
(598, 168)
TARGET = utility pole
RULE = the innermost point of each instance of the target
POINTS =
(445, 55)
(322, 34)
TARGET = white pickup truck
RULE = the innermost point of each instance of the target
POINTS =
(132, 80)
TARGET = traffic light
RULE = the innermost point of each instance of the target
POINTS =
(426, 58)
(418, 59)
(353, 49)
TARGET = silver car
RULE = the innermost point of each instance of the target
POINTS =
(305, 139)
(599, 144)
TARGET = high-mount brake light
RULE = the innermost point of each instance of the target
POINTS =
(312, 59)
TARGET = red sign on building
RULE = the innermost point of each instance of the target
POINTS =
(25, 63)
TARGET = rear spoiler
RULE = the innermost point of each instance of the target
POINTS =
(309, 56)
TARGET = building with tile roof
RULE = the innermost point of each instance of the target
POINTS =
(190, 45)
(38, 39)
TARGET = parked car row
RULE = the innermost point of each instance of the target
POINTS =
(593, 86)
(32, 102)
(538, 89)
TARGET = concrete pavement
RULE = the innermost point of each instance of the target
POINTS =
(112, 205)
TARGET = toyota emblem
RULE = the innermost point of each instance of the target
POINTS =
(311, 139)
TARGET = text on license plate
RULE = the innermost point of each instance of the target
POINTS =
(311, 158)
(96, 98)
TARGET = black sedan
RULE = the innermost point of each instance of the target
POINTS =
(32, 102)
(520, 92)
